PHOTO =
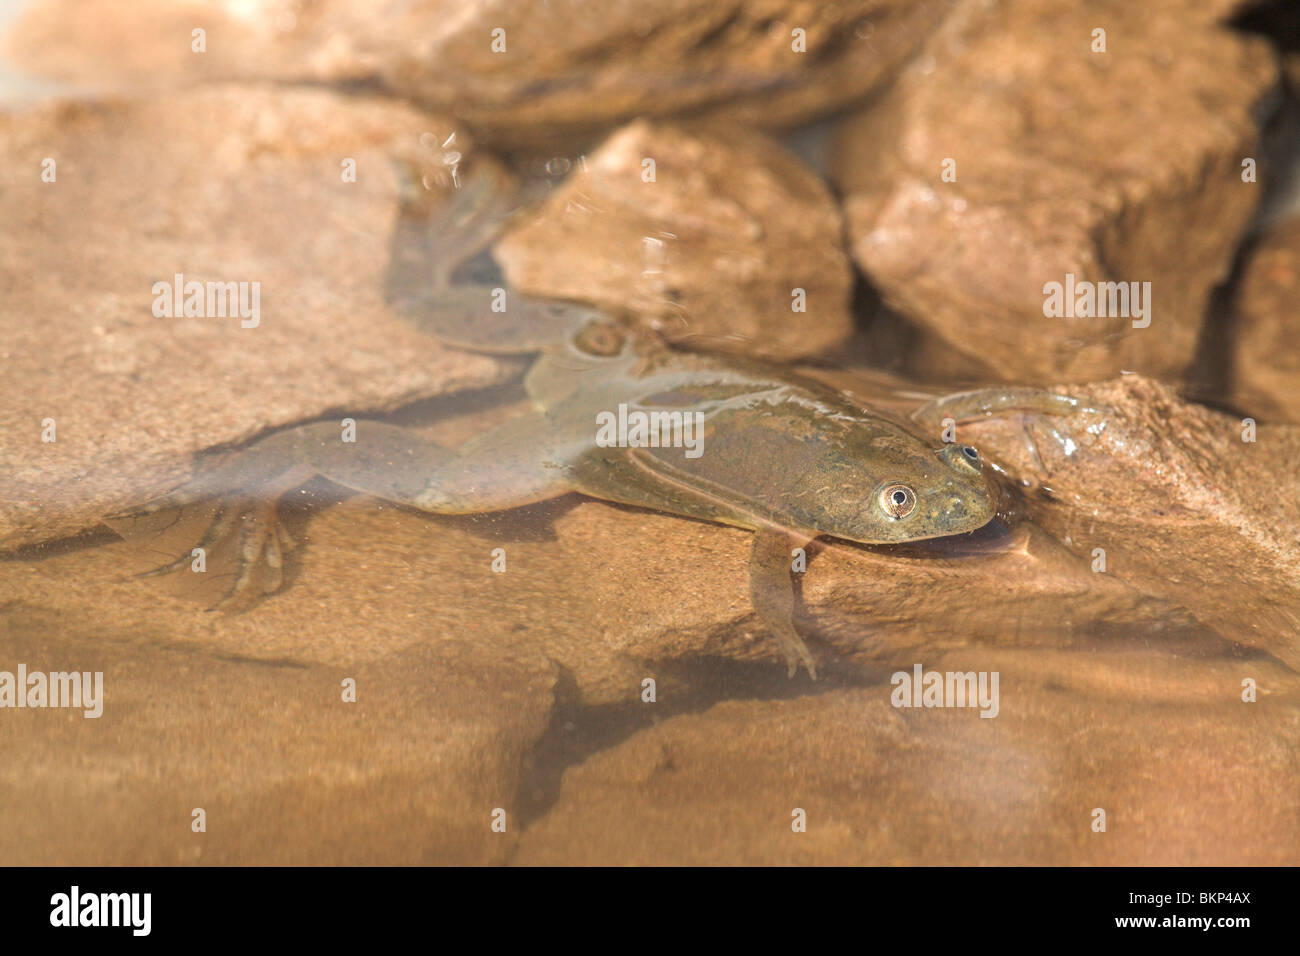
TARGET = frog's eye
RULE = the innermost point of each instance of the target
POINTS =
(897, 501)
(965, 458)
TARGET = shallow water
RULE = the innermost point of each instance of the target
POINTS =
(593, 676)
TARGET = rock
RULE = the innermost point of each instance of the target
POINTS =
(219, 184)
(564, 69)
(1183, 508)
(152, 43)
(1186, 772)
(710, 251)
(522, 690)
(285, 770)
(1265, 371)
(864, 605)
(1101, 166)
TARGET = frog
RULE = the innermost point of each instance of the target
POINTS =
(745, 444)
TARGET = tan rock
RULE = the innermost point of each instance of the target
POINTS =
(1103, 166)
(153, 43)
(1265, 370)
(1183, 508)
(1185, 771)
(564, 68)
(222, 184)
(574, 67)
(711, 251)
(286, 772)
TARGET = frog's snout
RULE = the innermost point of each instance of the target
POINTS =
(965, 501)
(962, 507)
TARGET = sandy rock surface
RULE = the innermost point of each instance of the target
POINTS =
(286, 771)
(1165, 747)
(153, 43)
(222, 184)
(551, 655)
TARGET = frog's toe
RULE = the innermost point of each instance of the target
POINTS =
(177, 498)
(247, 541)
(255, 552)
(793, 648)
(220, 527)
(796, 653)
(284, 540)
(274, 559)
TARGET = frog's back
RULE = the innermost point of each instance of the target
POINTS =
(739, 443)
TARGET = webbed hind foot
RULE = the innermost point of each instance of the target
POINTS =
(243, 530)
(260, 541)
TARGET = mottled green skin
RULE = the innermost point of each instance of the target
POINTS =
(779, 450)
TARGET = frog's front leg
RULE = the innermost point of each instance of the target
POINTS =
(504, 468)
(1007, 400)
(436, 236)
(772, 592)
(988, 402)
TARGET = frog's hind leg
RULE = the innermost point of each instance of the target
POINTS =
(508, 467)
(772, 593)
(504, 468)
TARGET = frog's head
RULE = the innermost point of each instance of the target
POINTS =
(916, 492)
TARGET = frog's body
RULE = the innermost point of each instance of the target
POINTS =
(777, 455)
(775, 451)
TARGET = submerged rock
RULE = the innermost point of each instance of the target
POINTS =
(285, 769)
(715, 236)
(1265, 370)
(1014, 153)
(172, 43)
(1176, 500)
(510, 71)
(1184, 770)
(109, 386)
(568, 67)
(525, 664)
